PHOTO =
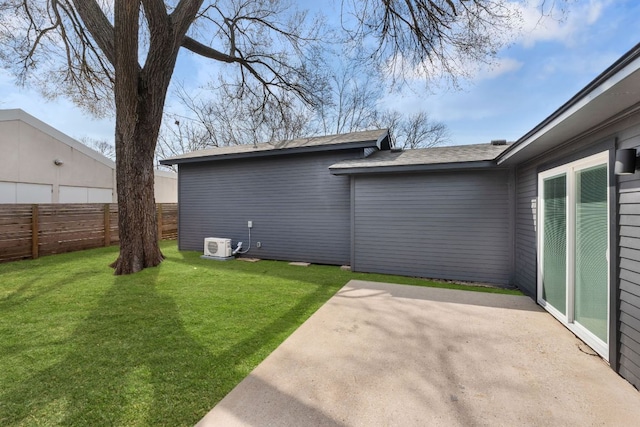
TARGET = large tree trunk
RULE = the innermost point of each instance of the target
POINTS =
(136, 203)
(140, 94)
(136, 136)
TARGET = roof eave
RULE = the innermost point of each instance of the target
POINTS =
(274, 152)
(435, 167)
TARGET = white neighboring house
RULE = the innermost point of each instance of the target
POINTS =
(43, 165)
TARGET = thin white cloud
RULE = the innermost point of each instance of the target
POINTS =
(552, 24)
(500, 67)
(576, 64)
(460, 68)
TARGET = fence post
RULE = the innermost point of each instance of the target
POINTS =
(107, 224)
(34, 231)
(159, 210)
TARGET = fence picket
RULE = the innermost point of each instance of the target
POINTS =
(35, 225)
(31, 231)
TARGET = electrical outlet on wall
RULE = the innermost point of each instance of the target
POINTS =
(250, 224)
(258, 244)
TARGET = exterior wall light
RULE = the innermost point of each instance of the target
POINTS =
(58, 162)
(625, 161)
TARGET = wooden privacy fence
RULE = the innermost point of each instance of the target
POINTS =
(30, 231)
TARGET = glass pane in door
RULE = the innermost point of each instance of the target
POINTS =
(554, 263)
(591, 243)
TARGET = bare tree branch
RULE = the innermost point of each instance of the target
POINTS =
(435, 37)
(98, 25)
(183, 17)
(206, 51)
(419, 131)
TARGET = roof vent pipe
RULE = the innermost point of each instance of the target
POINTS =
(498, 142)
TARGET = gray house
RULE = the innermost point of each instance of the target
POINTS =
(547, 213)
(300, 212)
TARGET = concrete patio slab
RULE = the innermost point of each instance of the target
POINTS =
(392, 355)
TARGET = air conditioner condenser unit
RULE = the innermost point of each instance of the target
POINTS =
(217, 248)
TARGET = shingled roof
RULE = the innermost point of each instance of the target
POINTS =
(434, 158)
(371, 138)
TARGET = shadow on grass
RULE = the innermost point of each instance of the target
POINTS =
(38, 277)
(132, 362)
(58, 260)
(36, 287)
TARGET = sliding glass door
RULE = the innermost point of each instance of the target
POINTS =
(554, 287)
(573, 248)
(591, 249)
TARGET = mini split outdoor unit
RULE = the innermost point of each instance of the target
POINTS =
(216, 247)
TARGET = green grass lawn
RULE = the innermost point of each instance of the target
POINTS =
(80, 346)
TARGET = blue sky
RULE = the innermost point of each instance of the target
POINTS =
(544, 67)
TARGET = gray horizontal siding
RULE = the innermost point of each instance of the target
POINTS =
(300, 212)
(525, 229)
(629, 267)
(438, 225)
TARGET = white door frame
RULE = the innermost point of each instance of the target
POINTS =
(569, 170)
